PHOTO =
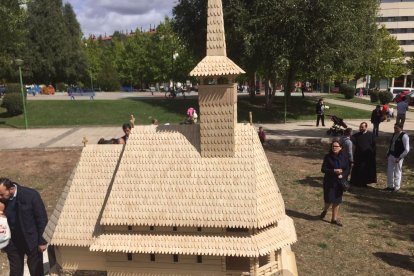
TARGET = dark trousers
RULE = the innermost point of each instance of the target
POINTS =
(320, 117)
(15, 254)
(376, 129)
(400, 119)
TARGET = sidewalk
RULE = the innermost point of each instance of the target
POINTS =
(297, 132)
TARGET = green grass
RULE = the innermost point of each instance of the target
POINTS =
(337, 96)
(322, 245)
(116, 112)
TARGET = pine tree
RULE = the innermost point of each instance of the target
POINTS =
(75, 59)
(54, 36)
(11, 37)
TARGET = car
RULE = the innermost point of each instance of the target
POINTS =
(33, 89)
(397, 90)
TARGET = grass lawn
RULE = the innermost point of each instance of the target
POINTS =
(116, 112)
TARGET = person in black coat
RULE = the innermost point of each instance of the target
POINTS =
(376, 117)
(335, 167)
(320, 112)
(364, 170)
(27, 218)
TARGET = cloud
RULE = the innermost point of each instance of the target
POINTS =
(106, 16)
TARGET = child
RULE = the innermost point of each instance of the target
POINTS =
(262, 135)
(4, 228)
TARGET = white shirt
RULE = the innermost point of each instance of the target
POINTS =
(6, 235)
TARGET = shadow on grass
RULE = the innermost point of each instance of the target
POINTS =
(397, 260)
(313, 181)
(295, 214)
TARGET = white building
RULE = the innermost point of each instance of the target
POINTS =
(398, 18)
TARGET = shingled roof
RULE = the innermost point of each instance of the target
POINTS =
(256, 245)
(74, 221)
(162, 180)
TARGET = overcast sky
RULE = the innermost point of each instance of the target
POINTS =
(106, 16)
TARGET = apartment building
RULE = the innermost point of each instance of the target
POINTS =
(398, 18)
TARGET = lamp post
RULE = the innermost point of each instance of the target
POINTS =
(19, 63)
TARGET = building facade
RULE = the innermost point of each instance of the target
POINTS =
(398, 18)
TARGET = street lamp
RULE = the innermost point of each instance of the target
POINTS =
(19, 63)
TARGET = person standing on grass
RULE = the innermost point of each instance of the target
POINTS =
(320, 112)
(335, 166)
(364, 170)
(27, 218)
(348, 146)
(397, 151)
(376, 117)
(402, 107)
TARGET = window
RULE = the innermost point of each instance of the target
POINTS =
(199, 259)
(129, 257)
(175, 228)
(199, 229)
(175, 258)
(129, 227)
(152, 228)
(152, 257)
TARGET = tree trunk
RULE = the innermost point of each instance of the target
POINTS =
(290, 81)
(252, 85)
(268, 95)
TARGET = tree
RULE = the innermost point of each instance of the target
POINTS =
(108, 78)
(322, 36)
(12, 34)
(54, 53)
(74, 60)
(386, 59)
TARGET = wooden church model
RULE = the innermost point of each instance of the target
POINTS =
(195, 199)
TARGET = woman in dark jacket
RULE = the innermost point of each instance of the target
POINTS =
(376, 118)
(335, 167)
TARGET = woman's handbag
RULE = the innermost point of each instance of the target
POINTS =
(344, 184)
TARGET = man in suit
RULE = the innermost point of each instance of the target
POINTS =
(27, 218)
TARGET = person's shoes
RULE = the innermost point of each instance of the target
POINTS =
(388, 189)
(323, 125)
(322, 215)
(337, 223)
(395, 190)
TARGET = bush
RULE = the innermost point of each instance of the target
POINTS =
(12, 102)
(347, 90)
(385, 97)
(61, 87)
(13, 88)
(374, 95)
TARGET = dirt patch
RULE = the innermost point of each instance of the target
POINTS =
(378, 233)
(45, 170)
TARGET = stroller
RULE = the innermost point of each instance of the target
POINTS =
(338, 127)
